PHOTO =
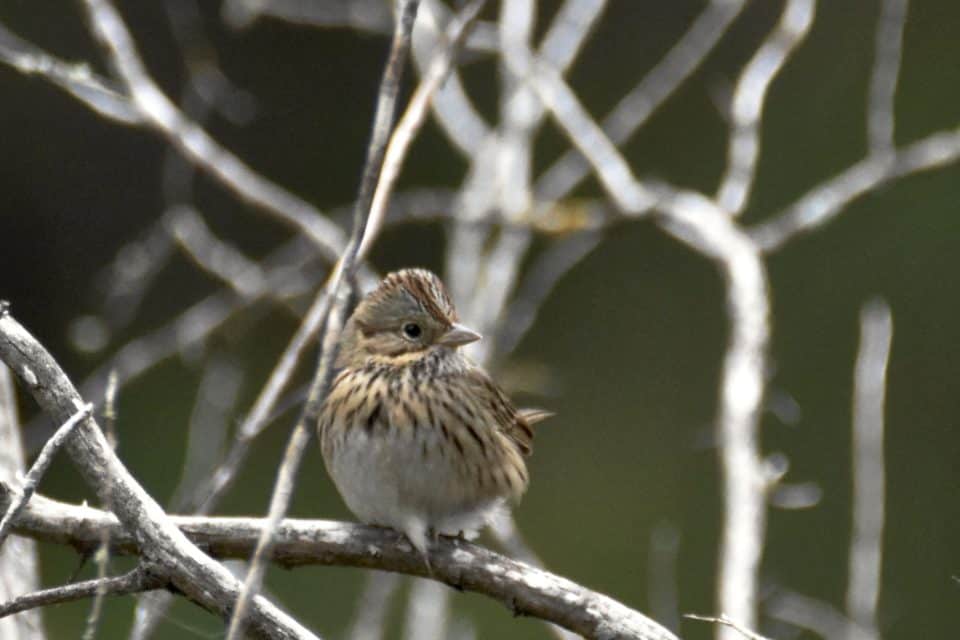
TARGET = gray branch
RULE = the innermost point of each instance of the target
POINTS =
(171, 555)
(136, 581)
(19, 572)
(525, 590)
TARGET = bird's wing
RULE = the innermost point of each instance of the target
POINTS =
(513, 423)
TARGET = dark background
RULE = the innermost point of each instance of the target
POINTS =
(631, 340)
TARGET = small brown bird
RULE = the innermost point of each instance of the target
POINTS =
(415, 435)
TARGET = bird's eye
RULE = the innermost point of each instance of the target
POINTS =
(412, 330)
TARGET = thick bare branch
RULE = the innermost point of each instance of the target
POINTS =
(174, 557)
(525, 590)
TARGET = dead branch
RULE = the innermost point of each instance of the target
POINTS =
(525, 590)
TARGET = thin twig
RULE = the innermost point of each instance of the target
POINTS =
(454, 113)
(216, 396)
(337, 297)
(612, 170)
(212, 254)
(686, 55)
(136, 581)
(539, 282)
(825, 201)
(41, 464)
(164, 117)
(193, 327)
(128, 277)
(205, 80)
(510, 159)
(869, 495)
(102, 556)
(812, 614)
(372, 16)
(395, 152)
(727, 622)
(221, 478)
(77, 79)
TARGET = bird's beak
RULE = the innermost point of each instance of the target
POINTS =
(458, 335)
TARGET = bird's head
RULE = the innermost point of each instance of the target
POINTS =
(405, 316)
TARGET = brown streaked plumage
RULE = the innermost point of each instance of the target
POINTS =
(416, 436)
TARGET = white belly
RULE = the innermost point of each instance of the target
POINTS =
(391, 482)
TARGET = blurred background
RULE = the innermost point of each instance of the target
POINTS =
(627, 348)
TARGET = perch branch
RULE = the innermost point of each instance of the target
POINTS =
(525, 590)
